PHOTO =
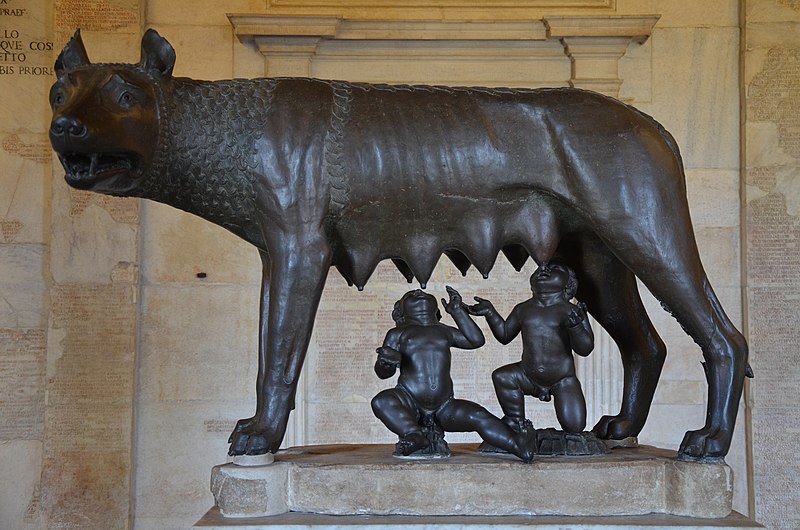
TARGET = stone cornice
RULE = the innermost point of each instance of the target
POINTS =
(637, 29)
(247, 26)
(517, 4)
(592, 44)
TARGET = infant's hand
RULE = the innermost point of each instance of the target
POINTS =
(482, 308)
(455, 302)
(576, 315)
(389, 356)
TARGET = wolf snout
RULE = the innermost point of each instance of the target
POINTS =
(67, 126)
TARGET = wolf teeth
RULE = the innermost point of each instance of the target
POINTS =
(87, 166)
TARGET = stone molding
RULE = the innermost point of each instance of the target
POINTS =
(593, 44)
(596, 4)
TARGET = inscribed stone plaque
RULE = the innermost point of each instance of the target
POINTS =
(104, 15)
(22, 376)
(773, 255)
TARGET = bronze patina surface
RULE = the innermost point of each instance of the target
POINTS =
(319, 174)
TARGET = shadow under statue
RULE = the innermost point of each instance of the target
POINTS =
(319, 174)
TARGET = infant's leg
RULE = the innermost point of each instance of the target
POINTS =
(392, 408)
(511, 385)
(459, 415)
(570, 404)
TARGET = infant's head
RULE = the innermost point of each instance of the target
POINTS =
(416, 302)
(554, 276)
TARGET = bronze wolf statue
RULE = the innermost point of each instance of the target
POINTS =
(319, 174)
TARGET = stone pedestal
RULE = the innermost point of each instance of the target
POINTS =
(311, 521)
(366, 479)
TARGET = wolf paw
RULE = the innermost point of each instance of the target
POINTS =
(251, 438)
(614, 427)
(706, 444)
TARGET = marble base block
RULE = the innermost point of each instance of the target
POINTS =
(366, 479)
(312, 521)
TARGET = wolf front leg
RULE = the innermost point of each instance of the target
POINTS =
(293, 279)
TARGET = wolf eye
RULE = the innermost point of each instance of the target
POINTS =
(126, 99)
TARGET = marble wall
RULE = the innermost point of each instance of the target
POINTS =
(125, 368)
(69, 290)
(89, 436)
(24, 236)
(771, 80)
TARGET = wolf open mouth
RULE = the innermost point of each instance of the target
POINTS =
(84, 170)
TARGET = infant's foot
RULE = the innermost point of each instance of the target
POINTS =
(517, 424)
(526, 440)
(412, 442)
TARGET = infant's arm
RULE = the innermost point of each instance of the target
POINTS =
(389, 356)
(580, 332)
(468, 336)
(503, 330)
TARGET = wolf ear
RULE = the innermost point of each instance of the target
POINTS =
(158, 55)
(73, 55)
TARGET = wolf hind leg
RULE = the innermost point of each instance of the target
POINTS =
(611, 294)
(669, 265)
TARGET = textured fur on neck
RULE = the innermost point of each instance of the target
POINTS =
(206, 160)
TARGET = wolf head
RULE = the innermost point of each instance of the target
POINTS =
(105, 125)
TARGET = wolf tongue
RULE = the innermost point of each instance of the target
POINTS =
(93, 166)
